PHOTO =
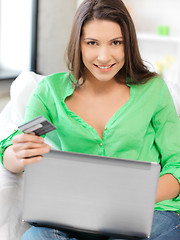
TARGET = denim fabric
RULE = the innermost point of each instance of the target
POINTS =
(42, 233)
(166, 226)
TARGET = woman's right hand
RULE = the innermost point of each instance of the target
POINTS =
(26, 149)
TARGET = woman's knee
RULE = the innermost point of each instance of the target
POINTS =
(33, 233)
(36, 233)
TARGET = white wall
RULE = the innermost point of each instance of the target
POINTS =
(79, 2)
(55, 20)
(148, 14)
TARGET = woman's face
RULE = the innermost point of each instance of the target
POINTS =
(102, 49)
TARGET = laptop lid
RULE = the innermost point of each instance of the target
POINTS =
(91, 193)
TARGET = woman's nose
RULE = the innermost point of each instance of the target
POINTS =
(103, 55)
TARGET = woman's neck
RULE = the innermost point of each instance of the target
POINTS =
(97, 87)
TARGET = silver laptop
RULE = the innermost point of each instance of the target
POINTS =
(93, 194)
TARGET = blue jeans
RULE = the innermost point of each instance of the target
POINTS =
(166, 226)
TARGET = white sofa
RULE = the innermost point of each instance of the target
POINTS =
(11, 226)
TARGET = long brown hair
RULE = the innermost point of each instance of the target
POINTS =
(113, 10)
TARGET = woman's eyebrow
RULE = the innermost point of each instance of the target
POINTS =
(93, 39)
(114, 39)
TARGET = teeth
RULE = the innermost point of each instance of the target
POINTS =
(101, 67)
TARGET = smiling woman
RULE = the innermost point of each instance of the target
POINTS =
(18, 32)
(102, 50)
(108, 104)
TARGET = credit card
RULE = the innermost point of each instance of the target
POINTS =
(39, 125)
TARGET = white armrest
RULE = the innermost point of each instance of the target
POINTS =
(11, 225)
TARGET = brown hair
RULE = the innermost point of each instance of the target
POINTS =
(113, 10)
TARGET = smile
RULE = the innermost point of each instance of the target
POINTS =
(107, 67)
(104, 67)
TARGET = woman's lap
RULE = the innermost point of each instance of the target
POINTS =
(166, 226)
(37, 233)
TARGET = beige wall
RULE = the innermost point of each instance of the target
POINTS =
(55, 19)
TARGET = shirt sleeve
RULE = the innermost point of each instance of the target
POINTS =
(37, 104)
(6, 143)
(167, 134)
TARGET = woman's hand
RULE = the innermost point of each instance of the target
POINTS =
(26, 149)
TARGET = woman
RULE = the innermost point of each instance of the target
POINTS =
(111, 105)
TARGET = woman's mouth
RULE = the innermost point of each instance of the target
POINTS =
(104, 67)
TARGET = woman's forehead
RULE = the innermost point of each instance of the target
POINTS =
(101, 28)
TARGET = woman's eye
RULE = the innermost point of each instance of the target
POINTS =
(91, 43)
(116, 43)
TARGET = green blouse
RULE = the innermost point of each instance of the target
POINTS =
(146, 128)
